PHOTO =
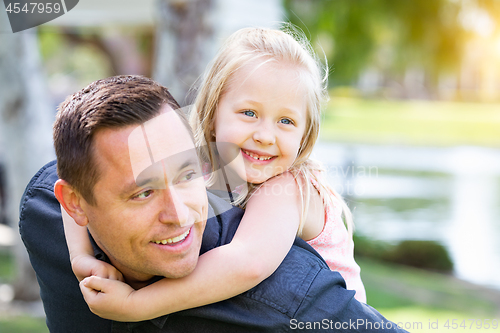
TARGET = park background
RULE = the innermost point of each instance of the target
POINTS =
(410, 136)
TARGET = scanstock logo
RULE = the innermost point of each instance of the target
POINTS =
(28, 14)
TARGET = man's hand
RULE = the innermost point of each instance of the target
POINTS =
(85, 265)
(110, 299)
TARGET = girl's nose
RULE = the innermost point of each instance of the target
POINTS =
(264, 135)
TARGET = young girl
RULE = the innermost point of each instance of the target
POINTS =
(263, 94)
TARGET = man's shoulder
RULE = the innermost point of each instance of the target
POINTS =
(41, 187)
(217, 204)
(222, 223)
(291, 283)
(44, 178)
(289, 293)
(39, 207)
(304, 291)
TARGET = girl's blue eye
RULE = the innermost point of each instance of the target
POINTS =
(286, 121)
(249, 113)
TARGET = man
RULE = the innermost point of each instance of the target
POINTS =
(102, 188)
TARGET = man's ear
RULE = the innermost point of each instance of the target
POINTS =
(70, 201)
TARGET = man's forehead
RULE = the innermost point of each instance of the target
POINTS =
(163, 137)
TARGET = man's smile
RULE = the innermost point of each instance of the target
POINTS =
(174, 240)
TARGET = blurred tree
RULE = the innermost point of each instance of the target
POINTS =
(183, 45)
(122, 51)
(75, 56)
(25, 133)
(492, 7)
(394, 36)
(3, 205)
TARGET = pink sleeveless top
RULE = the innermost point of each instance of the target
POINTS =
(337, 248)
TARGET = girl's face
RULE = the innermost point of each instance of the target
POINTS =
(264, 112)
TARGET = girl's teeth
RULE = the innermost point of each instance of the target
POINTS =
(257, 157)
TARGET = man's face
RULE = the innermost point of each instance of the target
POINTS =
(148, 219)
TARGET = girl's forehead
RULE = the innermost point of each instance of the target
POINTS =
(271, 65)
(263, 69)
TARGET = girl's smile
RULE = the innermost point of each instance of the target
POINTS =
(264, 112)
(255, 157)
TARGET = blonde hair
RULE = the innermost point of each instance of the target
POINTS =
(250, 45)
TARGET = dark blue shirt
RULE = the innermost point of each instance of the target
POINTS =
(301, 295)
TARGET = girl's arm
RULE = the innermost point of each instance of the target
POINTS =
(264, 237)
(81, 253)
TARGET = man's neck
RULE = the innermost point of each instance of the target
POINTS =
(136, 284)
(132, 278)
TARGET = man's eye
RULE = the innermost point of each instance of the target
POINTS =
(144, 195)
(249, 113)
(286, 121)
(187, 176)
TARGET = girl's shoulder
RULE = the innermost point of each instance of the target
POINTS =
(277, 182)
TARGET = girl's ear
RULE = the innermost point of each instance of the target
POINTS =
(211, 128)
(70, 202)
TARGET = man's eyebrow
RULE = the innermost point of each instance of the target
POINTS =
(190, 161)
(142, 182)
(132, 186)
(128, 189)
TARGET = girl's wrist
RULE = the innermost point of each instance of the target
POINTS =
(142, 308)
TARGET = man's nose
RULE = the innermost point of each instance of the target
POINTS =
(264, 134)
(173, 209)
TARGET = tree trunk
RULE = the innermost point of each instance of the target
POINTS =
(25, 134)
(184, 45)
(189, 33)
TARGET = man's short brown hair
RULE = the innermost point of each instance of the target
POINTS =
(109, 103)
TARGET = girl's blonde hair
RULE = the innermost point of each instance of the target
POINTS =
(254, 45)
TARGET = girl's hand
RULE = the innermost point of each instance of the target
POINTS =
(86, 265)
(110, 299)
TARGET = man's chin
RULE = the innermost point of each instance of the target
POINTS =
(180, 270)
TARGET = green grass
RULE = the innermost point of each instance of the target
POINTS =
(13, 323)
(411, 122)
(422, 320)
(412, 296)
(6, 266)
(23, 325)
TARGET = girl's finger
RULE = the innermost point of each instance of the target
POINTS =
(89, 293)
(116, 275)
(95, 283)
